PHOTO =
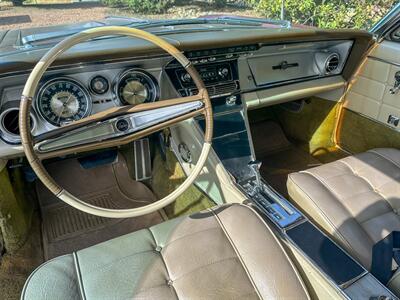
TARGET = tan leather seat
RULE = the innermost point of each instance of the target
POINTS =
(355, 199)
(224, 253)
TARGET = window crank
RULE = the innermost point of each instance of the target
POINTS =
(396, 86)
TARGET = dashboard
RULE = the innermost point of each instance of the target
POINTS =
(245, 75)
(68, 95)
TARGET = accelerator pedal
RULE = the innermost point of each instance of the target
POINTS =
(142, 159)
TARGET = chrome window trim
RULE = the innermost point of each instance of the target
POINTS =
(387, 24)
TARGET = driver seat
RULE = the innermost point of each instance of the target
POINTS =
(227, 252)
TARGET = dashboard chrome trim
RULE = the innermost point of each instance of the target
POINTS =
(112, 128)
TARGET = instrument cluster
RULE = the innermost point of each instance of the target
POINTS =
(62, 100)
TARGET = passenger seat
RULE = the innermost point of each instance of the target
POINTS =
(356, 200)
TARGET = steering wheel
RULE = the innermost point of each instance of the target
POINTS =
(194, 105)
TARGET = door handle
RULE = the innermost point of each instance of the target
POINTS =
(396, 85)
(285, 65)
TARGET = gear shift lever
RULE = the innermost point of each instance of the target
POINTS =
(255, 165)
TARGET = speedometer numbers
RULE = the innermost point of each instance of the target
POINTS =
(135, 87)
(63, 101)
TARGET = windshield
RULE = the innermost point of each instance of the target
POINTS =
(44, 21)
(159, 27)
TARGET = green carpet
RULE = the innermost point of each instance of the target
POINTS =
(359, 134)
(168, 176)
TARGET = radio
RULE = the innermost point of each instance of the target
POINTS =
(220, 78)
(210, 74)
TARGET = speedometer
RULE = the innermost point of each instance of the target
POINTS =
(135, 87)
(62, 101)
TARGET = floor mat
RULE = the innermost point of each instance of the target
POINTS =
(66, 229)
(276, 167)
(268, 138)
(278, 155)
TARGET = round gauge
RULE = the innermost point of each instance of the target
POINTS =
(135, 87)
(61, 101)
(99, 85)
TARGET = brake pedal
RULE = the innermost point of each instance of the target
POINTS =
(142, 159)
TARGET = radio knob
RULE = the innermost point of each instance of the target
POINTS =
(186, 77)
(223, 72)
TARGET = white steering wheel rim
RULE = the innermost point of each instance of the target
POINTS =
(26, 137)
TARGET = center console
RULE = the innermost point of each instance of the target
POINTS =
(219, 70)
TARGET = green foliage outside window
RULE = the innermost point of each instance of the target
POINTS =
(155, 6)
(327, 13)
(142, 6)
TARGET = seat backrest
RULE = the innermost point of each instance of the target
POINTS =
(355, 199)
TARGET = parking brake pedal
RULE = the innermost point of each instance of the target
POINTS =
(142, 159)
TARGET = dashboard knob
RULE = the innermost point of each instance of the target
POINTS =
(122, 125)
(223, 72)
(186, 77)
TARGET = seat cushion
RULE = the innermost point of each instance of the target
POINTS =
(356, 199)
(224, 253)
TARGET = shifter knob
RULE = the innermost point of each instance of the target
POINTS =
(255, 165)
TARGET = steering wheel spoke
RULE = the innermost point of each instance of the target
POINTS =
(117, 126)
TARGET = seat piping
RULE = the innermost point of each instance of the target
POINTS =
(79, 276)
(165, 264)
(237, 252)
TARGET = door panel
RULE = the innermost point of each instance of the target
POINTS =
(369, 103)
(370, 94)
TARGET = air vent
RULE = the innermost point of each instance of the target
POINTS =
(9, 127)
(331, 63)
